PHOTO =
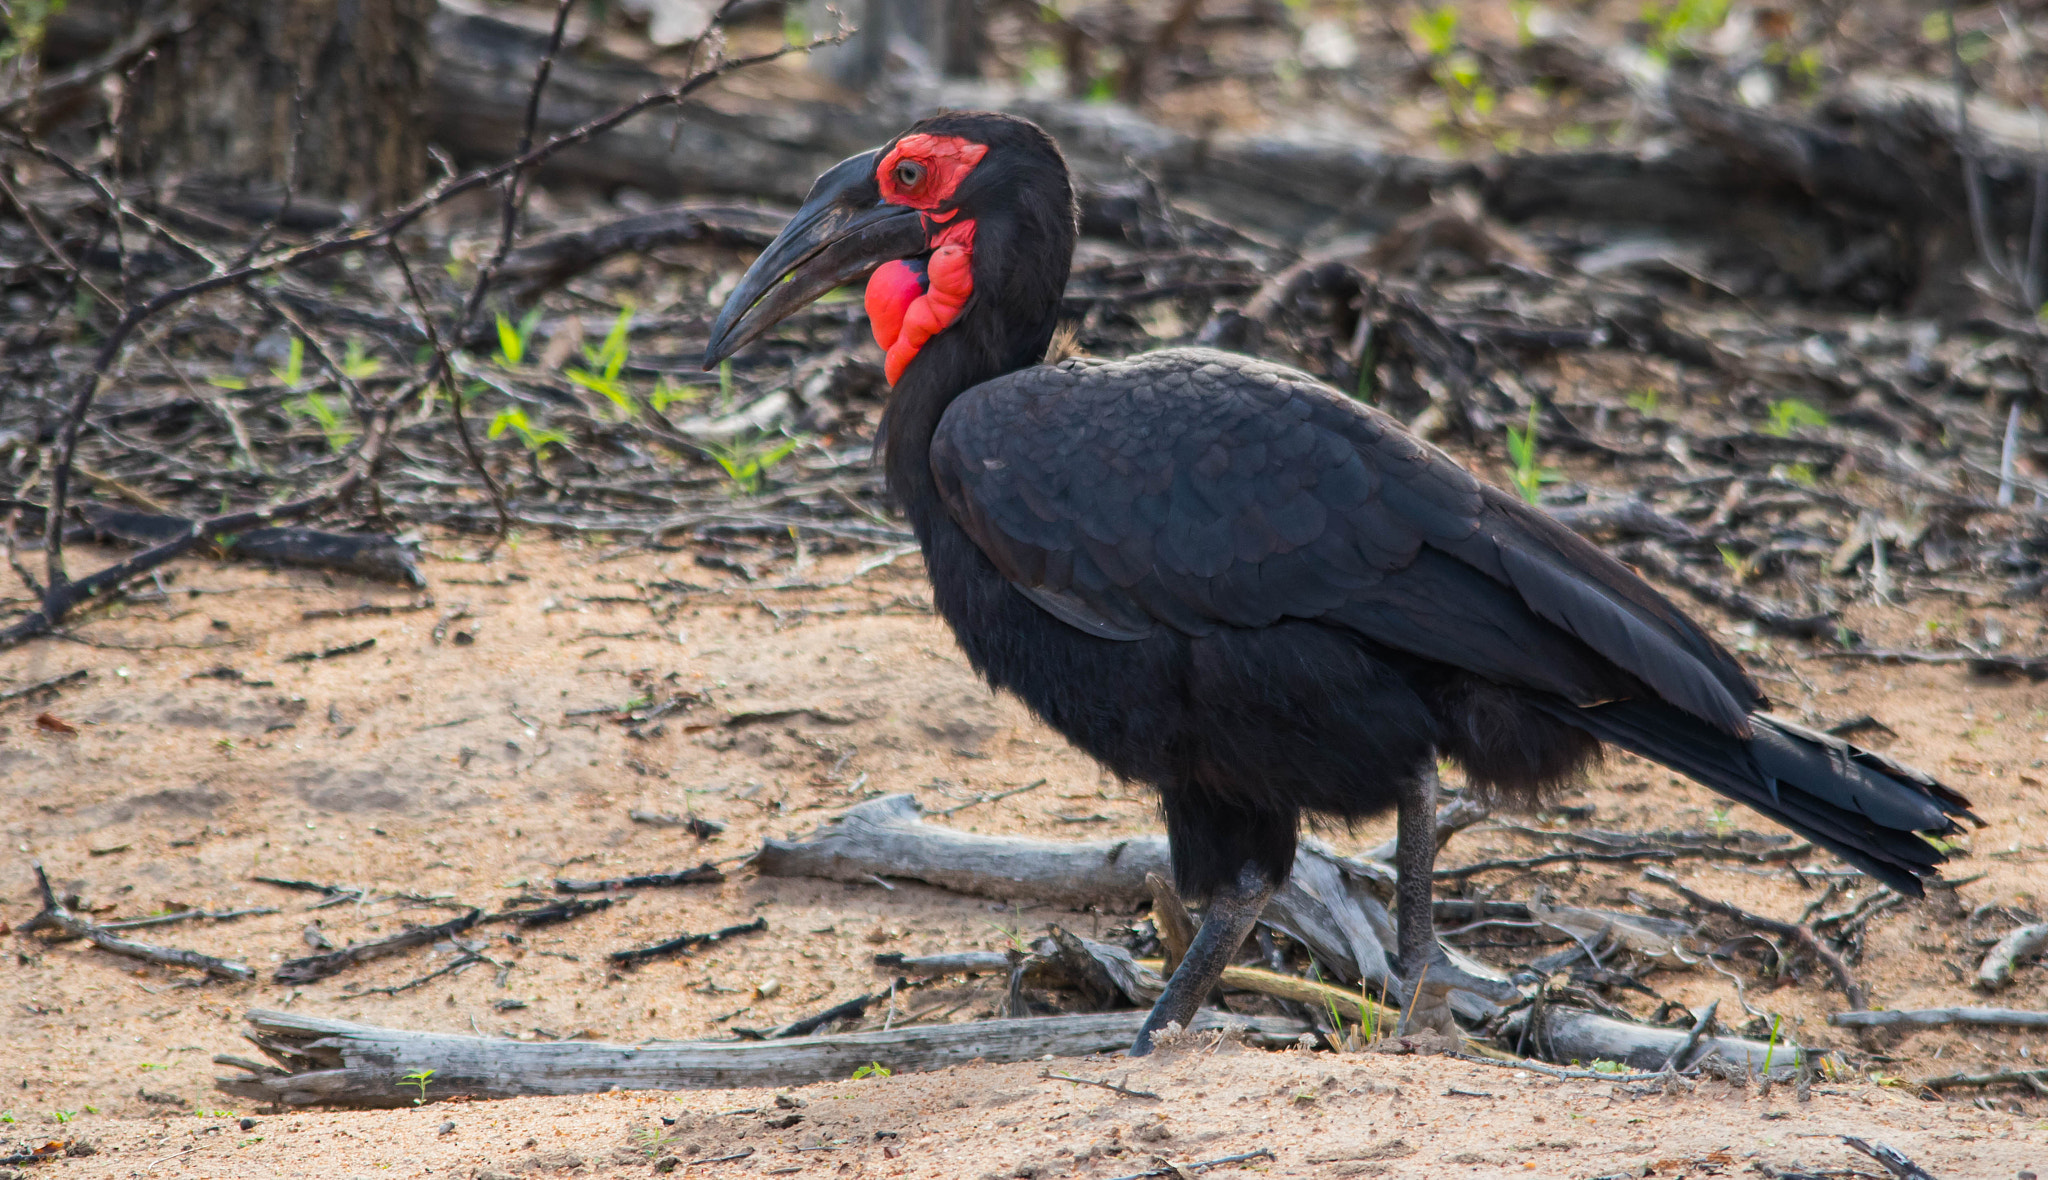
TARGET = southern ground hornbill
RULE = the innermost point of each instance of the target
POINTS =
(1227, 580)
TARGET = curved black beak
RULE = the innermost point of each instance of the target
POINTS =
(843, 232)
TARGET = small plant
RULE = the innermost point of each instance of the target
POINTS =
(537, 439)
(1788, 413)
(1771, 1050)
(418, 1079)
(324, 415)
(203, 1113)
(27, 23)
(6, 1116)
(748, 462)
(1801, 474)
(1527, 474)
(1643, 401)
(294, 370)
(150, 1065)
(607, 361)
(513, 338)
(1721, 823)
(873, 1069)
(1602, 1065)
(63, 1116)
(1674, 26)
(667, 393)
(1739, 567)
(357, 364)
(1438, 28)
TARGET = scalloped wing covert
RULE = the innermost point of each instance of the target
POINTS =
(1193, 490)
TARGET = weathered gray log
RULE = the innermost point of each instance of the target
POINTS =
(1941, 1018)
(2000, 962)
(341, 1063)
(1331, 904)
(1567, 1035)
(887, 837)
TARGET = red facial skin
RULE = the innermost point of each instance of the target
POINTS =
(904, 310)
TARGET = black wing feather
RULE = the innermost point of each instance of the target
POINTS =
(1195, 490)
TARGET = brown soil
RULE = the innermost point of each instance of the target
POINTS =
(470, 768)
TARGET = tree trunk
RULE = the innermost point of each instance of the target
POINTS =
(346, 78)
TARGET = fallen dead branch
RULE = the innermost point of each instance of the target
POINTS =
(2034, 1079)
(1982, 663)
(1940, 1018)
(1112, 1087)
(2004, 957)
(56, 916)
(681, 943)
(1173, 1169)
(317, 967)
(54, 682)
(1796, 931)
(339, 1063)
(1894, 1160)
(704, 874)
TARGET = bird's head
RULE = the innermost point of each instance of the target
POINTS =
(963, 227)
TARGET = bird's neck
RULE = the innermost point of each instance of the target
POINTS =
(950, 364)
(981, 345)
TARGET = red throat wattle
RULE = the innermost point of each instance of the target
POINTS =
(910, 302)
(907, 308)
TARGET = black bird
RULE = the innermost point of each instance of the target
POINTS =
(1229, 581)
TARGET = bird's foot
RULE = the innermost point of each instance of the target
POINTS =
(1427, 1000)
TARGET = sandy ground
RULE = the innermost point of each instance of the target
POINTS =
(462, 758)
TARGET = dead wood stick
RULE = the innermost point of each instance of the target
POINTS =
(1170, 916)
(1173, 1169)
(549, 914)
(187, 916)
(462, 962)
(2000, 962)
(1681, 1057)
(628, 958)
(317, 967)
(2037, 1079)
(696, 825)
(1320, 995)
(1112, 1087)
(55, 916)
(1983, 663)
(1940, 1017)
(1531, 862)
(704, 874)
(929, 966)
(1892, 1158)
(341, 1063)
(1797, 932)
(25, 690)
(851, 1009)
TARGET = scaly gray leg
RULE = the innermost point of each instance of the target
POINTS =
(1427, 974)
(1232, 912)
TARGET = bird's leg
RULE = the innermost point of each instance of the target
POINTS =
(1427, 974)
(1233, 910)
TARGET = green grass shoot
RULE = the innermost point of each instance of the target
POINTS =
(748, 462)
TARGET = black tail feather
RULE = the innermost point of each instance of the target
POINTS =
(1857, 803)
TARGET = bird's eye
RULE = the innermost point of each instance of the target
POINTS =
(909, 174)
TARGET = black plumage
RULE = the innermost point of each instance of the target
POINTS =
(1226, 580)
